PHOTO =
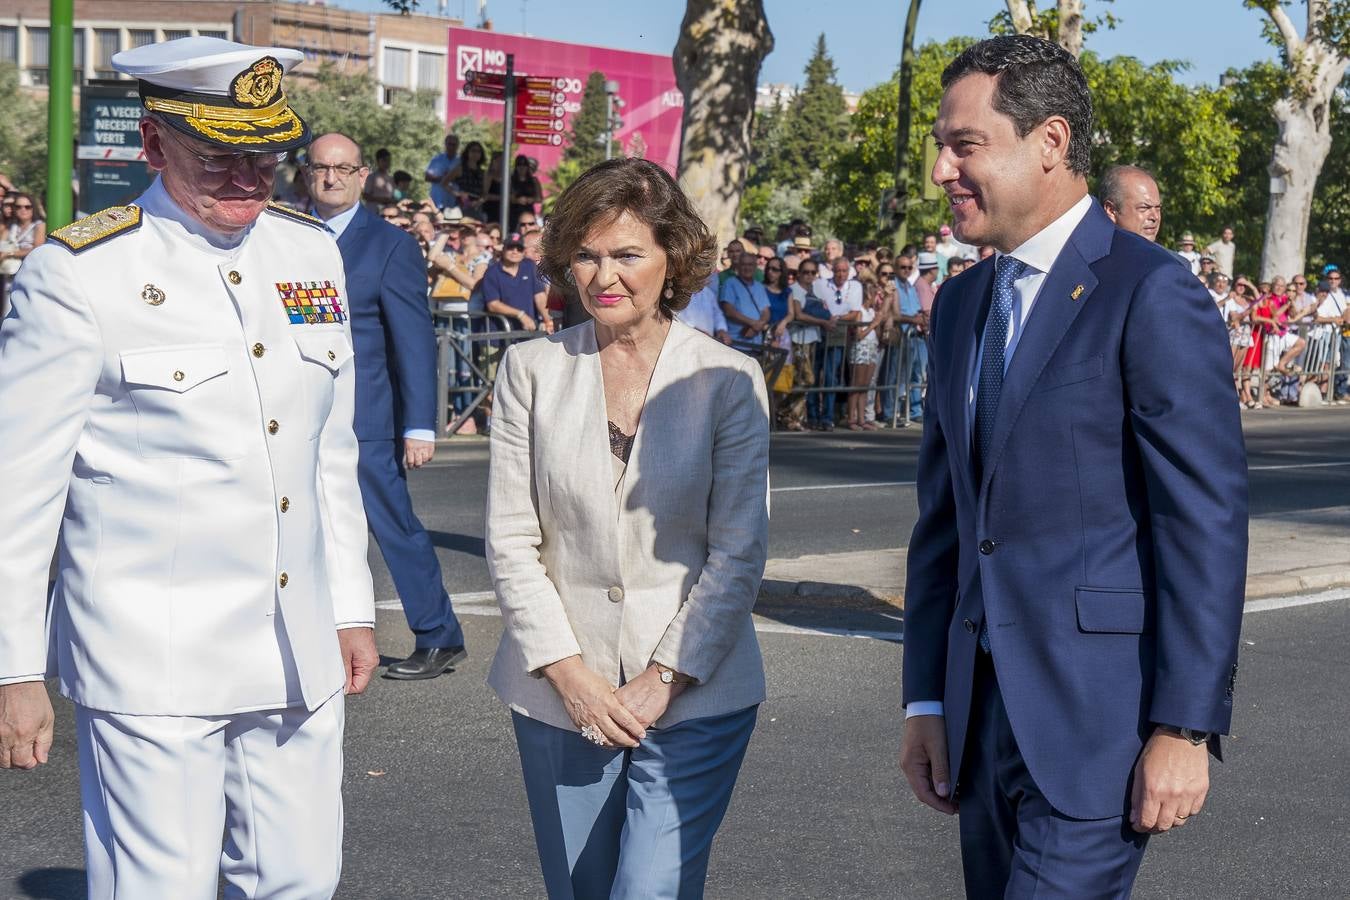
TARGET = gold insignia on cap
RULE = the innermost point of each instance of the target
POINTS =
(259, 84)
(153, 295)
(1077, 292)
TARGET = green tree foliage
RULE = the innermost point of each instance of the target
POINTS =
(408, 127)
(1143, 117)
(23, 134)
(790, 145)
(845, 201)
(1182, 134)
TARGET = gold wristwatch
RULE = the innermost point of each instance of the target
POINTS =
(670, 676)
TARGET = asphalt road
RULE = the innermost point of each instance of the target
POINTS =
(854, 491)
(435, 807)
(436, 810)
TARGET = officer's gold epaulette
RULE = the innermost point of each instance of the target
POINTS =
(101, 226)
(294, 215)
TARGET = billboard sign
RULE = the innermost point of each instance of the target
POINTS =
(110, 160)
(554, 75)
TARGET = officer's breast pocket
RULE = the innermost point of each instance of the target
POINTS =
(186, 402)
(323, 353)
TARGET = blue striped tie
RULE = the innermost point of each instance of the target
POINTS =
(1006, 271)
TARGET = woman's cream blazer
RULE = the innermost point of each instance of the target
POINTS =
(665, 569)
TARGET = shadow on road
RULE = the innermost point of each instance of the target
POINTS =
(830, 607)
(460, 543)
(57, 883)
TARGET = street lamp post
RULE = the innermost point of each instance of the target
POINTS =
(612, 121)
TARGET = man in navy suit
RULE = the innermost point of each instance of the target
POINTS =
(395, 394)
(1076, 574)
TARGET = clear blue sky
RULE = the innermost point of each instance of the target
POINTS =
(864, 35)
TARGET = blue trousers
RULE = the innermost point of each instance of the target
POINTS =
(829, 373)
(1342, 386)
(1014, 844)
(405, 546)
(635, 823)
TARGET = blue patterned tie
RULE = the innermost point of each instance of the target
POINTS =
(1006, 271)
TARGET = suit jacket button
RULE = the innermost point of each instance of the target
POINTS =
(986, 547)
(273, 426)
(285, 503)
(969, 626)
(259, 350)
(283, 579)
(616, 594)
(235, 277)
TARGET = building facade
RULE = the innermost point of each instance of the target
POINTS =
(403, 52)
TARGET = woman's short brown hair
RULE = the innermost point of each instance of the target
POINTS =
(608, 190)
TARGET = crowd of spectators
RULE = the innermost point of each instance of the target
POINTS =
(22, 227)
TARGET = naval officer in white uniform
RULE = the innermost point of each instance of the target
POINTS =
(176, 399)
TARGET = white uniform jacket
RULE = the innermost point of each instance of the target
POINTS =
(188, 449)
(667, 567)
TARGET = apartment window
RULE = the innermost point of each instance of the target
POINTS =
(141, 36)
(39, 55)
(430, 71)
(396, 67)
(203, 32)
(79, 56)
(9, 43)
(173, 34)
(107, 41)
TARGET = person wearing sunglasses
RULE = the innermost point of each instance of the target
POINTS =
(24, 231)
(177, 389)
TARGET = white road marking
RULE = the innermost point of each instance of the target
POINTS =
(1271, 603)
(1319, 465)
(483, 603)
(838, 487)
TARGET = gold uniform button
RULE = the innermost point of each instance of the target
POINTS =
(284, 579)
(273, 426)
(235, 277)
(259, 350)
(285, 503)
(616, 594)
(331, 356)
(179, 376)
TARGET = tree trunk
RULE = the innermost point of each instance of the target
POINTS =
(1071, 26)
(1304, 118)
(1023, 15)
(717, 58)
(903, 121)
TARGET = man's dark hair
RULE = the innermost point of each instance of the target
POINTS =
(401, 175)
(382, 153)
(1111, 186)
(1036, 79)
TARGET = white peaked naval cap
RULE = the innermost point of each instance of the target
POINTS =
(219, 91)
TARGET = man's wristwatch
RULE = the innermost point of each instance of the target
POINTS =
(670, 676)
(1195, 737)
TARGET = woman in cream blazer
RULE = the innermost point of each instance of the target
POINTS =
(626, 537)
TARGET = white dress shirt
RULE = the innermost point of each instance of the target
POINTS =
(703, 311)
(1038, 253)
(338, 224)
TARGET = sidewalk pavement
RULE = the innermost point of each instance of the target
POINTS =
(1294, 553)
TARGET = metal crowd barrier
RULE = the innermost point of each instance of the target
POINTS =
(1321, 361)
(843, 338)
(464, 342)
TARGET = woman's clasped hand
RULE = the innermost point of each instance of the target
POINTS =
(623, 715)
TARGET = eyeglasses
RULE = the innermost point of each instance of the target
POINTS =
(805, 271)
(886, 273)
(862, 262)
(220, 163)
(767, 258)
(22, 205)
(343, 170)
(905, 268)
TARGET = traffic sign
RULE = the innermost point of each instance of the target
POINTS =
(538, 124)
(547, 140)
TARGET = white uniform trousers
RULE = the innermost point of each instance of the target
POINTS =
(158, 791)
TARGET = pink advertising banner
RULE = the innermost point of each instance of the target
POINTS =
(652, 106)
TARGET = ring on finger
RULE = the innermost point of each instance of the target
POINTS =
(593, 734)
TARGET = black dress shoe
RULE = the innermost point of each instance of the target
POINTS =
(426, 662)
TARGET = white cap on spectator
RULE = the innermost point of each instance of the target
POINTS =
(927, 260)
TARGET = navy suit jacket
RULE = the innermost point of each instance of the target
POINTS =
(392, 333)
(1106, 539)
